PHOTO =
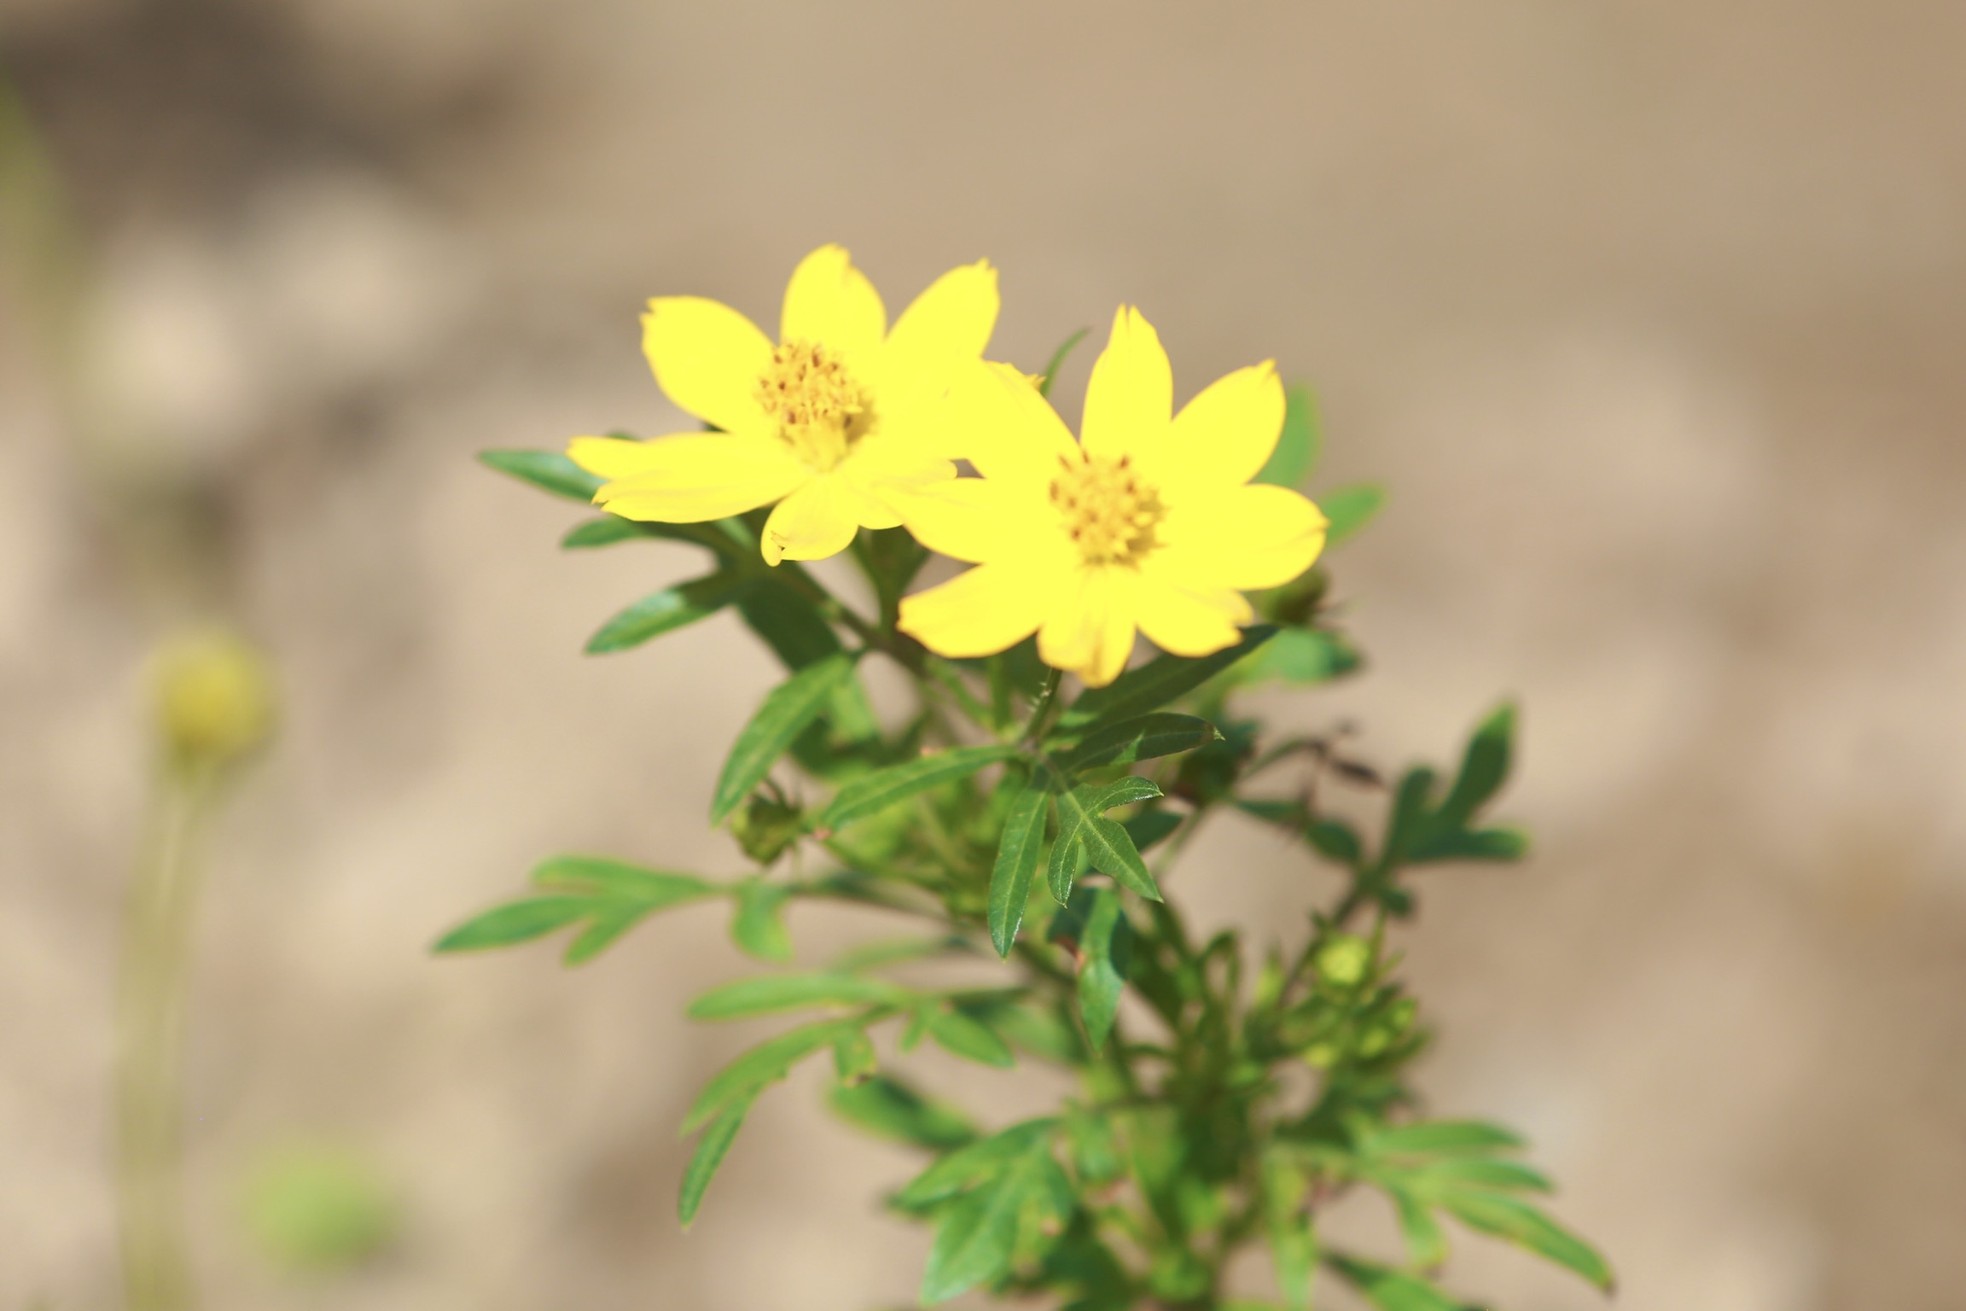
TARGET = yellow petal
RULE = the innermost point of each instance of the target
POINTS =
(1130, 398)
(1245, 537)
(983, 519)
(708, 358)
(830, 302)
(1184, 621)
(884, 474)
(611, 457)
(1089, 629)
(1224, 435)
(947, 325)
(980, 612)
(692, 476)
(995, 419)
(815, 521)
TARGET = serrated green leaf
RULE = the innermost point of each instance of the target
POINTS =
(1058, 358)
(1018, 851)
(1293, 1241)
(769, 994)
(786, 712)
(874, 792)
(666, 611)
(1155, 684)
(890, 1109)
(548, 470)
(710, 1151)
(600, 876)
(763, 1064)
(1350, 509)
(514, 922)
(1389, 1290)
(1518, 1222)
(1105, 951)
(1143, 738)
(1297, 446)
(758, 924)
(1083, 833)
(962, 1034)
(979, 1160)
(1441, 1138)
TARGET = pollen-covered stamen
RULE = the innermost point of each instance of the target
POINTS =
(816, 402)
(1108, 512)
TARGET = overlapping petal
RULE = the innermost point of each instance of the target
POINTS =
(996, 419)
(708, 358)
(1222, 437)
(689, 477)
(816, 520)
(1089, 629)
(983, 610)
(947, 326)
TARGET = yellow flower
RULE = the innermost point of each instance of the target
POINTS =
(1149, 522)
(827, 423)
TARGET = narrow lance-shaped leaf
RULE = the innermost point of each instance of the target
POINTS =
(874, 792)
(758, 924)
(962, 1034)
(1058, 358)
(1484, 768)
(1143, 738)
(1517, 1221)
(600, 876)
(891, 1109)
(1018, 851)
(1296, 451)
(978, 1235)
(590, 534)
(978, 1160)
(1083, 831)
(763, 1064)
(1441, 1138)
(786, 711)
(667, 610)
(1293, 1244)
(1105, 950)
(547, 470)
(710, 1151)
(771, 993)
(1350, 509)
(1156, 683)
(518, 921)
(1389, 1290)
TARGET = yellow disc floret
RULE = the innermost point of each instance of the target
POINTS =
(1109, 513)
(818, 405)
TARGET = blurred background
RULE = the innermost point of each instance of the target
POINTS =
(1651, 315)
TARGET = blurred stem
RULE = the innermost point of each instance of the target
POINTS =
(150, 1043)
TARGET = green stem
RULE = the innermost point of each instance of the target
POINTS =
(1041, 710)
(150, 1046)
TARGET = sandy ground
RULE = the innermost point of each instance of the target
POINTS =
(1652, 315)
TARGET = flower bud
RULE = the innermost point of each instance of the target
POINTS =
(213, 696)
(1344, 960)
(766, 827)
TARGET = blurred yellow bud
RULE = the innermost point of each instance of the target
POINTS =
(214, 697)
(1344, 960)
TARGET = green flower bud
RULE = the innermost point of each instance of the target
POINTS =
(1344, 960)
(319, 1210)
(766, 827)
(214, 697)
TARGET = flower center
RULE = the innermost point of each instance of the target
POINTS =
(817, 404)
(1109, 513)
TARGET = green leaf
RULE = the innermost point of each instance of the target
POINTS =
(758, 926)
(709, 1154)
(1336, 841)
(1426, 1245)
(1481, 1172)
(518, 921)
(854, 1058)
(1105, 949)
(979, 1160)
(786, 712)
(1297, 446)
(1018, 851)
(599, 876)
(769, 994)
(1083, 833)
(978, 1235)
(1150, 827)
(1058, 358)
(1484, 767)
(1517, 1221)
(1411, 818)
(605, 531)
(1350, 509)
(1156, 683)
(874, 792)
(1389, 1290)
(896, 951)
(891, 1109)
(1144, 738)
(1302, 656)
(667, 610)
(788, 623)
(962, 1034)
(1482, 845)
(600, 934)
(548, 470)
(1441, 1138)
(763, 1064)
(1293, 1241)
